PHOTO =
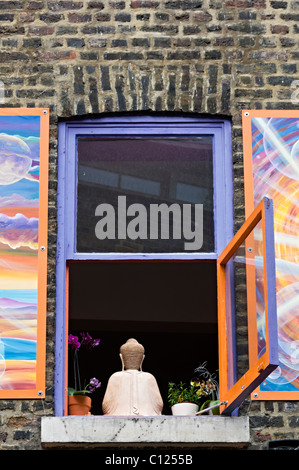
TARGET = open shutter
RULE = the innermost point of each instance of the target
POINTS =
(248, 263)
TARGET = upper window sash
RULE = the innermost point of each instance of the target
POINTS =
(222, 178)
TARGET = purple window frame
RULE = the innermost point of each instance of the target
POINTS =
(220, 129)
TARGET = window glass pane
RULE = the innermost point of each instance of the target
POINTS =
(258, 277)
(237, 314)
(244, 281)
(145, 194)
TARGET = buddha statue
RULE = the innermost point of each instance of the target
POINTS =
(132, 392)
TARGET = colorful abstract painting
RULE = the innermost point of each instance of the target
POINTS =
(20, 222)
(271, 162)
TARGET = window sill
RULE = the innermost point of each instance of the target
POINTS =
(114, 431)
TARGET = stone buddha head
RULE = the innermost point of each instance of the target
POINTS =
(132, 355)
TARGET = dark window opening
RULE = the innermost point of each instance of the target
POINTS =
(169, 307)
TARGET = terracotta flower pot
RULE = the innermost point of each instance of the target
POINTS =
(184, 409)
(79, 405)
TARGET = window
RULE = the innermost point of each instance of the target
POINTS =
(145, 210)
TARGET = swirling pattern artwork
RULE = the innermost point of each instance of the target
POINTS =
(275, 164)
(19, 223)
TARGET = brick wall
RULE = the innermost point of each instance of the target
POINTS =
(91, 57)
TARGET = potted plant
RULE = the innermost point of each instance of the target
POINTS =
(79, 403)
(200, 394)
(210, 390)
(183, 399)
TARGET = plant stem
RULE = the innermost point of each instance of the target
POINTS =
(77, 372)
(75, 375)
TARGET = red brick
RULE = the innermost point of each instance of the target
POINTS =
(41, 30)
(203, 16)
(279, 29)
(245, 4)
(26, 17)
(144, 4)
(79, 18)
(57, 55)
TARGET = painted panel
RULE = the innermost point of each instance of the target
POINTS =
(24, 137)
(271, 167)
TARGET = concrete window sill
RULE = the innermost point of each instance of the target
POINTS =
(115, 431)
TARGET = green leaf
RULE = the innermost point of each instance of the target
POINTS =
(215, 411)
(72, 391)
(206, 404)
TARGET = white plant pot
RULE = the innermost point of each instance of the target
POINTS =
(184, 409)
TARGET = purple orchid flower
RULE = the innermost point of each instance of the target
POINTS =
(89, 343)
(74, 342)
(93, 384)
